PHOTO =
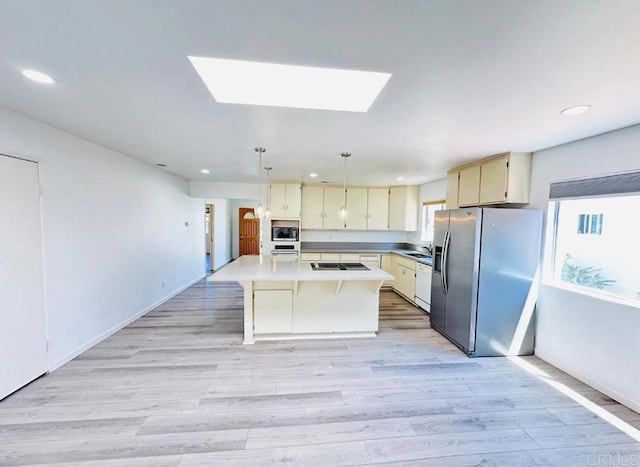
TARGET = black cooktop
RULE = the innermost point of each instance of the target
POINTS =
(338, 266)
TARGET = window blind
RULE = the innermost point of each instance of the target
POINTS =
(599, 186)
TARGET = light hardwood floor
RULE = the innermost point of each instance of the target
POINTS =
(178, 388)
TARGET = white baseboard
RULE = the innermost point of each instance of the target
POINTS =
(603, 388)
(99, 338)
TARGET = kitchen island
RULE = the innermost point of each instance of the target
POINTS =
(286, 299)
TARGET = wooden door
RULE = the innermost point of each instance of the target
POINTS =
(249, 232)
(23, 354)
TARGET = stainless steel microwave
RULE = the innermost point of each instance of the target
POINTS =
(284, 234)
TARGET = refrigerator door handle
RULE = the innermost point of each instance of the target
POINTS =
(445, 254)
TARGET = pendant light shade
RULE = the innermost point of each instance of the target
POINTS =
(267, 211)
(260, 209)
(344, 212)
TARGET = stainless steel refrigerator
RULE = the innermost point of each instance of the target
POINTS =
(485, 263)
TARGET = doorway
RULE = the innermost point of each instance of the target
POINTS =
(23, 341)
(209, 210)
(249, 229)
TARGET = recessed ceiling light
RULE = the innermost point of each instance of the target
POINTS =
(256, 83)
(205, 171)
(313, 175)
(38, 76)
(578, 109)
(399, 178)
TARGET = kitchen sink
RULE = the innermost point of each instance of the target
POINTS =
(418, 255)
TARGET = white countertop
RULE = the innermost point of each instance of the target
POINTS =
(278, 268)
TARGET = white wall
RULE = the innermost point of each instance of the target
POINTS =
(223, 190)
(113, 231)
(432, 191)
(592, 339)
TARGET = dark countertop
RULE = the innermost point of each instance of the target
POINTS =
(401, 249)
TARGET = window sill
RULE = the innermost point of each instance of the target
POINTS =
(606, 297)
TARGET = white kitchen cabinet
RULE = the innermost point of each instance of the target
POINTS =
(357, 206)
(350, 257)
(387, 265)
(500, 179)
(370, 260)
(333, 199)
(452, 189)
(285, 200)
(312, 215)
(505, 179)
(405, 272)
(378, 209)
(310, 257)
(469, 186)
(403, 208)
(272, 311)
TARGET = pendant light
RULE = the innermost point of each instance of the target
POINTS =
(260, 209)
(344, 212)
(267, 210)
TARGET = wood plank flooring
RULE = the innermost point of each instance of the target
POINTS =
(178, 388)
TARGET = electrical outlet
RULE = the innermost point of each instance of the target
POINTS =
(163, 284)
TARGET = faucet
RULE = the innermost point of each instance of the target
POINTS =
(429, 249)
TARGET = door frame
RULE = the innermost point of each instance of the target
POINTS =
(212, 232)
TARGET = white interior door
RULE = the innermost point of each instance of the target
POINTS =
(23, 355)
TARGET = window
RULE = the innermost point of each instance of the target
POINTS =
(428, 218)
(595, 243)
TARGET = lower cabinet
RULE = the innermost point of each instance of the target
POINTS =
(386, 264)
(272, 311)
(405, 281)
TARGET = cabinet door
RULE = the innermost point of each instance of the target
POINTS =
(357, 206)
(378, 209)
(397, 201)
(277, 201)
(452, 190)
(469, 186)
(272, 311)
(493, 180)
(312, 211)
(333, 199)
(386, 264)
(406, 281)
(292, 199)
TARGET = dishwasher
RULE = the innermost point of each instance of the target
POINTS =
(423, 286)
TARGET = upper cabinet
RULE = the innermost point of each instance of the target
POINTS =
(452, 190)
(285, 200)
(378, 209)
(358, 210)
(333, 199)
(312, 216)
(504, 178)
(403, 208)
(368, 208)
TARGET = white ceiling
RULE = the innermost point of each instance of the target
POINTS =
(471, 78)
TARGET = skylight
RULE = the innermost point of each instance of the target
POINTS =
(255, 83)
